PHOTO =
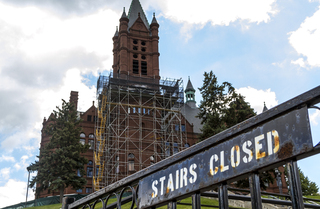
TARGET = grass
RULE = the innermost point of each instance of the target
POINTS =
(54, 206)
(313, 197)
(204, 201)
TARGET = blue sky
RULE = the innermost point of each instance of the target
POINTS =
(269, 50)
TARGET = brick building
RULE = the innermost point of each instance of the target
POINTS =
(140, 118)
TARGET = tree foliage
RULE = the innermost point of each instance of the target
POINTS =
(60, 159)
(221, 107)
(308, 187)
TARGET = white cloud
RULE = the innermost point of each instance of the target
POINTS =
(301, 62)
(315, 117)
(217, 12)
(7, 158)
(5, 173)
(14, 192)
(22, 164)
(306, 40)
(257, 98)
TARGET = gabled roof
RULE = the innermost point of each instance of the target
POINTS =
(135, 9)
(189, 86)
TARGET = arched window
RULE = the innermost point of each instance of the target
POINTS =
(131, 162)
(91, 136)
(82, 135)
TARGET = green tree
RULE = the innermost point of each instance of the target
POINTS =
(308, 187)
(60, 159)
(222, 108)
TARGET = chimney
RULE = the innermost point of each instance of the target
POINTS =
(74, 98)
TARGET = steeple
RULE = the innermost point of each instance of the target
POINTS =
(117, 32)
(154, 20)
(190, 94)
(264, 107)
(124, 13)
(134, 12)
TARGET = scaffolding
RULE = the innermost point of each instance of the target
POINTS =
(139, 124)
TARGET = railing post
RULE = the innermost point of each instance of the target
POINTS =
(196, 201)
(255, 191)
(295, 185)
(223, 196)
(172, 205)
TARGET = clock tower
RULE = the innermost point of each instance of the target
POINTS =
(135, 44)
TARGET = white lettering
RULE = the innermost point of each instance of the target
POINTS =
(177, 179)
(162, 183)
(170, 182)
(183, 177)
(233, 162)
(155, 189)
(223, 168)
(258, 147)
(215, 170)
(193, 173)
(245, 149)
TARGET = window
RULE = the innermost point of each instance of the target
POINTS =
(89, 171)
(135, 56)
(90, 162)
(135, 48)
(143, 57)
(97, 171)
(82, 135)
(151, 160)
(139, 110)
(186, 145)
(134, 110)
(183, 128)
(78, 173)
(176, 127)
(82, 141)
(131, 162)
(135, 66)
(89, 117)
(143, 43)
(88, 189)
(95, 118)
(175, 148)
(143, 68)
(79, 190)
(91, 136)
(131, 165)
(135, 42)
(143, 49)
(91, 143)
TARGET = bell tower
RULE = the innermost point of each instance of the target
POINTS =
(135, 44)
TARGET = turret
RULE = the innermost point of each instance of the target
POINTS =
(190, 95)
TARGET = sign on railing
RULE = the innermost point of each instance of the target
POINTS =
(269, 143)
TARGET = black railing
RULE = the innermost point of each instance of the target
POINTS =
(148, 185)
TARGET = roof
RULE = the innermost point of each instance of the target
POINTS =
(189, 86)
(135, 9)
(190, 114)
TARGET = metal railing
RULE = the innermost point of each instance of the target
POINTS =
(293, 149)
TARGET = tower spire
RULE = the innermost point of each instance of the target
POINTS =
(133, 14)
